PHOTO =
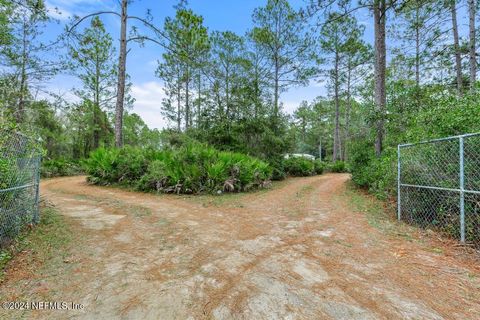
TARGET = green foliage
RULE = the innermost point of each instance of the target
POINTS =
(190, 168)
(378, 175)
(338, 166)
(278, 168)
(44, 241)
(279, 32)
(7, 172)
(60, 167)
(102, 166)
(299, 167)
(319, 166)
(137, 133)
(439, 114)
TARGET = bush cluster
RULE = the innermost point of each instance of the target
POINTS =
(60, 167)
(302, 167)
(338, 167)
(190, 168)
(377, 174)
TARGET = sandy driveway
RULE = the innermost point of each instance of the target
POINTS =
(294, 252)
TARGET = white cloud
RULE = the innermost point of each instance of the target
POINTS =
(62, 9)
(148, 100)
(75, 2)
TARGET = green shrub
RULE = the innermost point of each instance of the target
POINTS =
(59, 168)
(7, 172)
(190, 168)
(378, 175)
(102, 166)
(278, 168)
(338, 167)
(319, 166)
(299, 167)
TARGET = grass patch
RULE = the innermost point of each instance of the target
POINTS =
(373, 209)
(43, 242)
(378, 213)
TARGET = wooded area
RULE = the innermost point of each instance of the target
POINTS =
(415, 80)
(166, 127)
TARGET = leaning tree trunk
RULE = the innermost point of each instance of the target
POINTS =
(456, 46)
(122, 61)
(473, 58)
(379, 11)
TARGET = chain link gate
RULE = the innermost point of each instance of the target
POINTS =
(19, 184)
(439, 186)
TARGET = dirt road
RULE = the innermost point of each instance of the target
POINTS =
(294, 252)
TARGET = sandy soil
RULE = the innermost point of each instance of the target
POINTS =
(294, 252)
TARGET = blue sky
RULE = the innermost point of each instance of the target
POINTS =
(147, 89)
(233, 15)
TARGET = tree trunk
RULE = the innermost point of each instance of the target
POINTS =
(473, 58)
(379, 11)
(257, 100)
(320, 149)
(227, 93)
(347, 113)
(122, 61)
(96, 107)
(417, 47)
(20, 112)
(276, 89)
(199, 105)
(336, 136)
(456, 45)
(304, 129)
(187, 101)
(179, 101)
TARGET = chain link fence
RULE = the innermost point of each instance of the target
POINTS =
(439, 186)
(19, 184)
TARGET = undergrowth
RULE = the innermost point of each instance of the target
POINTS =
(190, 168)
(43, 241)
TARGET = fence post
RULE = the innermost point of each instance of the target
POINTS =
(462, 192)
(399, 198)
(36, 218)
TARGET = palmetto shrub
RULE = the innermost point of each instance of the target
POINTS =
(299, 167)
(338, 166)
(319, 166)
(191, 168)
(59, 168)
